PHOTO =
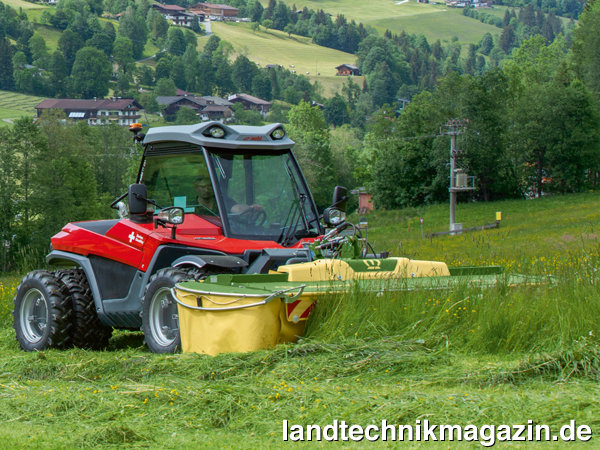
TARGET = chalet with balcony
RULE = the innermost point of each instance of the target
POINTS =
(215, 11)
(346, 70)
(175, 14)
(120, 111)
(216, 112)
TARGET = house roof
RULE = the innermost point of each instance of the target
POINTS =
(170, 99)
(349, 66)
(248, 98)
(169, 7)
(88, 105)
(201, 101)
(217, 100)
(215, 108)
(214, 6)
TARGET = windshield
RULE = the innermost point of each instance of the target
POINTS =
(263, 196)
(181, 179)
(258, 196)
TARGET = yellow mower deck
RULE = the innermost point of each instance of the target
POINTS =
(238, 313)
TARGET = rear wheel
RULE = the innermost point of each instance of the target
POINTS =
(160, 320)
(88, 331)
(42, 312)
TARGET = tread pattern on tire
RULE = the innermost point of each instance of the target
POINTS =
(177, 275)
(87, 331)
(58, 305)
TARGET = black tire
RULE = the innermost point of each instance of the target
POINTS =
(88, 331)
(42, 312)
(160, 321)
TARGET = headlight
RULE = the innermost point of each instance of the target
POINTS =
(333, 217)
(278, 133)
(215, 132)
(173, 215)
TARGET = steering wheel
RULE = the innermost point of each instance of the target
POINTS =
(254, 216)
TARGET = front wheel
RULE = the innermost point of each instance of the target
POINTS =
(160, 320)
(42, 312)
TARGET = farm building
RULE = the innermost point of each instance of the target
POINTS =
(121, 111)
(345, 70)
(218, 108)
(365, 200)
(215, 11)
(176, 15)
(216, 112)
(250, 102)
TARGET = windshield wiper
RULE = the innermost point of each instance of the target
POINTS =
(290, 233)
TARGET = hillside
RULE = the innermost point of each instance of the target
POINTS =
(292, 52)
(14, 105)
(433, 20)
(16, 4)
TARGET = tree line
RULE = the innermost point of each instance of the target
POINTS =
(53, 172)
(531, 127)
(396, 66)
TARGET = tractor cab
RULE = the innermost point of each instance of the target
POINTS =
(243, 180)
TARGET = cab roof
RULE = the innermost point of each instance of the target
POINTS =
(235, 136)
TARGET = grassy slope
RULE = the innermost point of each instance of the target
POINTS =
(494, 357)
(275, 47)
(433, 20)
(548, 227)
(16, 4)
(14, 105)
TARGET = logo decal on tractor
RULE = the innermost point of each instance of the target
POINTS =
(136, 237)
(372, 264)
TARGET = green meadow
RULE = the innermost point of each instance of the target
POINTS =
(298, 53)
(16, 4)
(433, 20)
(503, 355)
(14, 105)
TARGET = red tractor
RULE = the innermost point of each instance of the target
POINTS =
(209, 199)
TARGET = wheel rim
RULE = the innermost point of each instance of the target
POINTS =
(164, 321)
(34, 315)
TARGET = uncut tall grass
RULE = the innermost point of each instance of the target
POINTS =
(559, 304)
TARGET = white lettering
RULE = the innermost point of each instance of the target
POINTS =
(333, 428)
(451, 429)
(487, 437)
(356, 433)
(571, 432)
(429, 431)
(584, 433)
(518, 434)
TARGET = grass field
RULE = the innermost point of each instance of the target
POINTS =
(14, 105)
(435, 21)
(275, 47)
(50, 35)
(16, 4)
(499, 356)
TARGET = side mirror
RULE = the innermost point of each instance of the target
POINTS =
(138, 199)
(340, 198)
